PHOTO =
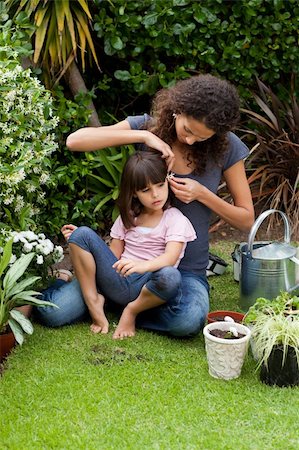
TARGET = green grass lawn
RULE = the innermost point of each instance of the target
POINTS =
(68, 389)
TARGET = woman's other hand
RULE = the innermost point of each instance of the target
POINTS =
(67, 230)
(185, 189)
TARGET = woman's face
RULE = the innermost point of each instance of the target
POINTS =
(189, 130)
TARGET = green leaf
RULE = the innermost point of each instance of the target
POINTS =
(20, 287)
(117, 43)
(17, 270)
(17, 331)
(122, 75)
(22, 320)
(7, 252)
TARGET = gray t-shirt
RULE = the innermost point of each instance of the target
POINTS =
(197, 252)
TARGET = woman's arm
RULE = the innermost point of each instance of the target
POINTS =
(90, 139)
(240, 214)
(172, 253)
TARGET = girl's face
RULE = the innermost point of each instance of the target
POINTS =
(189, 130)
(154, 196)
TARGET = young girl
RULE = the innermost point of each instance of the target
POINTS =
(190, 124)
(139, 268)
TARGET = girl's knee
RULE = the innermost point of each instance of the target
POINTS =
(165, 282)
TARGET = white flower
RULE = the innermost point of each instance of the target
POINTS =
(39, 259)
(12, 259)
(27, 247)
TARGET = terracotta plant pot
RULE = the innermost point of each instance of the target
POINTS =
(7, 342)
(218, 316)
(226, 356)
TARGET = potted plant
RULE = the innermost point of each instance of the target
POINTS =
(15, 293)
(226, 345)
(220, 315)
(275, 333)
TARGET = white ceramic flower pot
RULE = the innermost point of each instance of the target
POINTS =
(226, 356)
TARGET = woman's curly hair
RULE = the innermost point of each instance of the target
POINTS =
(206, 98)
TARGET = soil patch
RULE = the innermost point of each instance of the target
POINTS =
(224, 334)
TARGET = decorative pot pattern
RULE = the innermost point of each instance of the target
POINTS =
(226, 356)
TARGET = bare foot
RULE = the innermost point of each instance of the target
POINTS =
(126, 325)
(63, 274)
(100, 323)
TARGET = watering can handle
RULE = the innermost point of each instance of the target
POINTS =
(258, 223)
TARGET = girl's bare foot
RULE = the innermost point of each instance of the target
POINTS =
(100, 323)
(126, 325)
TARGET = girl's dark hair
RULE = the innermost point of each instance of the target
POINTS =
(205, 98)
(141, 169)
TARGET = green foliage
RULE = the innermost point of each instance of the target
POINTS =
(152, 44)
(15, 293)
(273, 166)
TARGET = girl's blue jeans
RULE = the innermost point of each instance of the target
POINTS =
(186, 295)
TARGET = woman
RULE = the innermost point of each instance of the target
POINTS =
(190, 125)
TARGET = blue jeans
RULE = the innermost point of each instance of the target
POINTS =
(186, 296)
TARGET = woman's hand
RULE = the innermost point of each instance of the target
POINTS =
(186, 189)
(126, 267)
(67, 230)
(153, 141)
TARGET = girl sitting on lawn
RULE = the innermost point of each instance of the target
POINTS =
(139, 268)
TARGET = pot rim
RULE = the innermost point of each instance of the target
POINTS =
(225, 326)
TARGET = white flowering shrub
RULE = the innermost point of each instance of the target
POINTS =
(46, 253)
(26, 143)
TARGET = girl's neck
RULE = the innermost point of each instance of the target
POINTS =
(149, 218)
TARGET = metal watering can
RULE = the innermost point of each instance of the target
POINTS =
(266, 268)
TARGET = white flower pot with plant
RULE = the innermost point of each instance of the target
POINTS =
(226, 346)
(15, 293)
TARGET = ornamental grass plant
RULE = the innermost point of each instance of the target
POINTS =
(67, 388)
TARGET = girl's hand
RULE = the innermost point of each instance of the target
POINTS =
(126, 267)
(67, 230)
(153, 141)
(186, 189)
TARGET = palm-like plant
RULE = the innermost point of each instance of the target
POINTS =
(273, 165)
(62, 31)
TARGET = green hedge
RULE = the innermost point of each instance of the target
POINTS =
(150, 44)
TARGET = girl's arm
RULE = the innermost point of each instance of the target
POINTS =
(117, 247)
(240, 214)
(172, 253)
(90, 139)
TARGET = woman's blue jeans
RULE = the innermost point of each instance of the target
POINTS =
(186, 295)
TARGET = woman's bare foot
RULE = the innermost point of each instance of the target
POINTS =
(100, 323)
(126, 325)
(63, 274)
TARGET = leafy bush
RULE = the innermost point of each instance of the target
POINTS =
(27, 140)
(148, 45)
(273, 166)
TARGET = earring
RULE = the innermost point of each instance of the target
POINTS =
(174, 115)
